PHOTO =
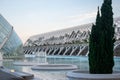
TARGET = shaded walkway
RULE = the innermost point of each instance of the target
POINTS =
(6, 74)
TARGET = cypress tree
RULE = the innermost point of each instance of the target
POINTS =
(92, 61)
(108, 32)
(102, 41)
(93, 46)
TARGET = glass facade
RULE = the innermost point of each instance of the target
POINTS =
(10, 43)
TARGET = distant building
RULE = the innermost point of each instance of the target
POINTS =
(69, 35)
(10, 43)
(70, 42)
(64, 36)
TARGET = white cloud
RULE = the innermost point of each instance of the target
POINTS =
(83, 17)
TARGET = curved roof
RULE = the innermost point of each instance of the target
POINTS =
(9, 40)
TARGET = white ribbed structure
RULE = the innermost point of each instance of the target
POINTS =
(70, 42)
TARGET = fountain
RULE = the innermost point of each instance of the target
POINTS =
(37, 55)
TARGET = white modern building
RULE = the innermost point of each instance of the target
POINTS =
(10, 43)
(70, 41)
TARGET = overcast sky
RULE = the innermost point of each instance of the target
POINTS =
(31, 17)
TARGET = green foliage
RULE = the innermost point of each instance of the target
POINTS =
(102, 41)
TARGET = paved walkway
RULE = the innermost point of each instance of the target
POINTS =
(7, 76)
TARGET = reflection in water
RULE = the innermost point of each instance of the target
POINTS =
(81, 62)
(1, 63)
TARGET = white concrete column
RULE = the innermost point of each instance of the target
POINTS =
(1, 58)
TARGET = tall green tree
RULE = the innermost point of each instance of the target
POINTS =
(102, 41)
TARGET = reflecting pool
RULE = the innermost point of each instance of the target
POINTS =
(81, 62)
